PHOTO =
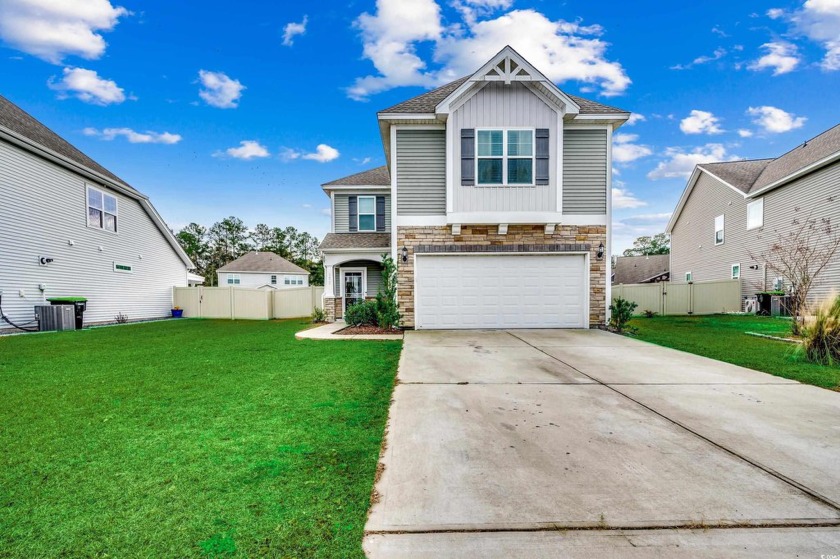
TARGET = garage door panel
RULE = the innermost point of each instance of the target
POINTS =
(500, 291)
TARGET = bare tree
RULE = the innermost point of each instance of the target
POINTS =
(799, 255)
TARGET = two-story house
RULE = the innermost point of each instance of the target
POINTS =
(70, 227)
(731, 212)
(494, 203)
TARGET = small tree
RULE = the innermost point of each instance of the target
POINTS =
(645, 246)
(387, 312)
(621, 311)
(799, 255)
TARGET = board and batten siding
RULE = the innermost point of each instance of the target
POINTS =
(342, 209)
(585, 172)
(43, 212)
(421, 172)
(503, 106)
(692, 240)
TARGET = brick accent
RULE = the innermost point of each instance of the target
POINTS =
(481, 238)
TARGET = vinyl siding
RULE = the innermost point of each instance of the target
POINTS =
(259, 279)
(43, 207)
(342, 209)
(692, 240)
(585, 172)
(374, 278)
(504, 106)
(421, 172)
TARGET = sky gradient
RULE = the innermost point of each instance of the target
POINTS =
(246, 108)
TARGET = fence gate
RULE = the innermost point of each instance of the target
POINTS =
(246, 303)
(707, 297)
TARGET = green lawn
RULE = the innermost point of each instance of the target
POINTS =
(192, 438)
(723, 337)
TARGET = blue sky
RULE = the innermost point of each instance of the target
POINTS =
(218, 108)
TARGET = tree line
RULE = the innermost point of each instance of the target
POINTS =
(228, 239)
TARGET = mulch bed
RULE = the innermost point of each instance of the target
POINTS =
(367, 330)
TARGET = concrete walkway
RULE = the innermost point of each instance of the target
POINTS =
(328, 332)
(580, 443)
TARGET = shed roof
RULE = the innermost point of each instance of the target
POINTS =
(364, 241)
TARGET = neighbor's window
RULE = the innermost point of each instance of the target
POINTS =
(300, 281)
(367, 213)
(736, 271)
(287, 281)
(102, 210)
(688, 277)
(233, 279)
(755, 214)
(273, 280)
(719, 230)
(505, 157)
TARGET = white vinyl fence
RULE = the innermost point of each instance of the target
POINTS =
(247, 303)
(707, 297)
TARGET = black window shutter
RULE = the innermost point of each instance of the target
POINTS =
(380, 213)
(353, 206)
(541, 152)
(468, 156)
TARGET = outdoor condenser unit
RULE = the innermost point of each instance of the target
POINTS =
(55, 317)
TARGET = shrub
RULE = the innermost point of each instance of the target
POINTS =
(821, 335)
(387, 313)
(648, 313)
(318, 315)
(622, 312)
(361, 314)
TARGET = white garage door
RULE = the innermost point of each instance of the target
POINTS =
(500, 291)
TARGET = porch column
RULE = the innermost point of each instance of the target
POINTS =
(329, 281)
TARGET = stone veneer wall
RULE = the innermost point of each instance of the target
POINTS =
(592, 235)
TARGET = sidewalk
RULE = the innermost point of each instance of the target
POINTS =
(328, 332)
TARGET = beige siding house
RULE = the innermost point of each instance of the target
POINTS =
(732, 212)
(98, 237)
(494, 204)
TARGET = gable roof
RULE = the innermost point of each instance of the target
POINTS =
(24, 131)
(639, 269)
(266, 262)
(372, 177)
(740, 174)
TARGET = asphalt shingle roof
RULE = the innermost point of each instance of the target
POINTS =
(19, 121)
(740, 174)
(636, 269)
(262, 262)
(373, 177)
(356, 240)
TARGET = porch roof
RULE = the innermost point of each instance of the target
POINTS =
(361, 241)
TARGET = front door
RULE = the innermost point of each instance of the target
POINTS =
(353, 289)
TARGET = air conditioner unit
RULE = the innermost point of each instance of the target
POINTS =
(750, 305)
(55, 317)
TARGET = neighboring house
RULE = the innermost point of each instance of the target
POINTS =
(651, 268)
(735, 209)
(494, 205)
(70, 227)
(262, 269)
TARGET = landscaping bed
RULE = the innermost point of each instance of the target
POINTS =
(189, 438)
(367, 330)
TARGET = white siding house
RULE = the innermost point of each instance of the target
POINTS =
(262, 269)
(68, 227)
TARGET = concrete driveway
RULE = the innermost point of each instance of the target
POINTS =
(571, 443)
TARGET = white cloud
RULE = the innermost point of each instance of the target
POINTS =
(87, 86)
(219, 90)
(646, 219)
(323, 154)
(248, 149)
(775, 120)
(744, 133)
(147, 137)
(719, 32)
(562, 50)
(680, 163)
(819, 20)
(719, 53)
(54, 29)
(292, 29)
(782, 57)
(622, 198)
(701, 122)
(625, 150)
(363, 160)
(635, 118)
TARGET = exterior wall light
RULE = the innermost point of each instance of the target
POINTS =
(600, 252)
(404, 254)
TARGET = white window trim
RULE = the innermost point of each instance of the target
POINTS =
(273, 279)
(233, 279)
(343, 284)
(116, 214)
(129, 266)
(505, 155)
(359, 214)
(722, 230)
(751, 204)
(732, 271)
(689, 277)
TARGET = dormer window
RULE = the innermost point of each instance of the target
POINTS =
(505, 157)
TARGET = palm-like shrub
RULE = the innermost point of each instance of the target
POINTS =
(821, 335)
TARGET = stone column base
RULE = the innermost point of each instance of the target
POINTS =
(329, 308)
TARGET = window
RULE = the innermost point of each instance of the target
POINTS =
(719, 230)
(755, 214)
(123, 268)
(505, 157)
(102, 210)
(287, 281)
(367, 213)
(688, 277)
(300, 281)
(233, 279)
(273, 280)
(736, 271)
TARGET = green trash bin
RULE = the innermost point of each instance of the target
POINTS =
(80, 304)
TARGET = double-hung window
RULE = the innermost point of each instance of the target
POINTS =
(719, 230)
(367, 213)
(505, 157)
(233, 279)
(102, 210)
(273, 280)
(755, 214)
(736, 271)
